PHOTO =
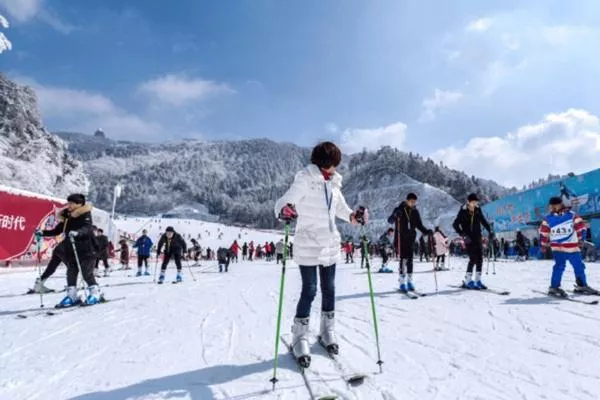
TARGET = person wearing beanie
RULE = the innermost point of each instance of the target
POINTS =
(175, 247)
(468, 224)
(562, 231)
(406, 220)
(75, 223)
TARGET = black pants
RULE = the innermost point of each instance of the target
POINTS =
(143, 260)
(475, 256)
(441, 258)
(384, 257)
(176, 257)
(424, 253)
(363, 259)
(51, 267)
(408, 265)
(87, 271)
(104, 260)
(279, 258)
(349, 258)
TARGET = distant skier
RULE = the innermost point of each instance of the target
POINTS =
(523, 254)
(235, 249)
(407, 220)
(349, 250)
(223, 258)
(124, 251)
(562, 231)
(75, 222)
(251, 251)
(143, 244)
(363, 255)
(175, 247)
(441, 248)
(423, 249)
(279, 249)
(468, 224)
(244, 251)
(102, 254)
(385, 244)
(316, 195)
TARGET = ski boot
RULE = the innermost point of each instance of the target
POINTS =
(403, 287)
(586, 290)
(147, 273)
(178, 278)
(38, 287)
(139, 273)
(469, 285)
(409, 286)
(300, 345)
(161, 278)
(71, 299)
(327, 337)
(106, 272)
(557, 292)
(478, 284)
(95, 296)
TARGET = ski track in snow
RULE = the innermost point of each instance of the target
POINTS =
(215, 338)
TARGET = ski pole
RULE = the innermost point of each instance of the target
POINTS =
(191, 273)
(72, 239)
(38, 239)
(494, 256)
(366, 249)
(156, 267)
(280, 306)
(431, 251)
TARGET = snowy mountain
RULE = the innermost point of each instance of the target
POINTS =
(238, 181)
(30, 157)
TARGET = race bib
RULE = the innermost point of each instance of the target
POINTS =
(562, 232)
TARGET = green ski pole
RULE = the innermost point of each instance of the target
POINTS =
(281, 287)
(366, 250)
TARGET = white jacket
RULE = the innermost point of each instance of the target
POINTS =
(317, 240)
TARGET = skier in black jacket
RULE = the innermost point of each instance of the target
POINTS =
(102, 254)
(407, 220)
(175, 248)
(468, 224)
(75, 222)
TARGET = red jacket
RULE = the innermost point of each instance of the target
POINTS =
(235, 248)
(349, 248)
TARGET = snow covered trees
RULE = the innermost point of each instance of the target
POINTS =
(5, 44)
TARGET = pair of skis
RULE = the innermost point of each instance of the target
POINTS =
(412, 294)
(488, 290)
(321, 392)
(61, 310)
(570, 298)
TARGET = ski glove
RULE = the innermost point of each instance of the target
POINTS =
(288, 213)
(73, 234)
(360, 216)
(467, 240)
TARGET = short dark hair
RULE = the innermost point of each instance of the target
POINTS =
(411, 196)
(76, 198)
(169, 229)
(472, 197)
(390, 230)
(554, 201)
(326, 155)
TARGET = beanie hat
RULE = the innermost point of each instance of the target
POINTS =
(76, 198)
(472, 197)
(170, 229)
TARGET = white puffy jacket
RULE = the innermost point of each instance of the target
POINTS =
(317, 240)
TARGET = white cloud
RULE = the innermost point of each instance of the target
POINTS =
(479, 25)
(177, 90)
(26, 10)
(83, 111)
(5, 44)
(355, 140)
(332, 128)
(440, 99)
(560, 143)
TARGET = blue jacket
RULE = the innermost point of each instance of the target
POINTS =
(143, 245)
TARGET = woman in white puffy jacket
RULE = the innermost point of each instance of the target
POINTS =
(316, 198)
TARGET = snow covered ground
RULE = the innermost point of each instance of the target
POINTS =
(214, 338)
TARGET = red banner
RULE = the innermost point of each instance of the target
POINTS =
(20, 216)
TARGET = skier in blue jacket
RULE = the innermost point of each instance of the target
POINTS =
(143, 245)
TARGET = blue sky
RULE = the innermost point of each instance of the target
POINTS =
(495, 90)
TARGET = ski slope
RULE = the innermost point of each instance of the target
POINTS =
(214, 338)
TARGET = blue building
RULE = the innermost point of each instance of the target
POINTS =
(525, 210)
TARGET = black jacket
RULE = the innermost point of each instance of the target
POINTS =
(175, 245)
(79, 221)
(469, 223)
(406, 221)
(223, 255)
(102, 241)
